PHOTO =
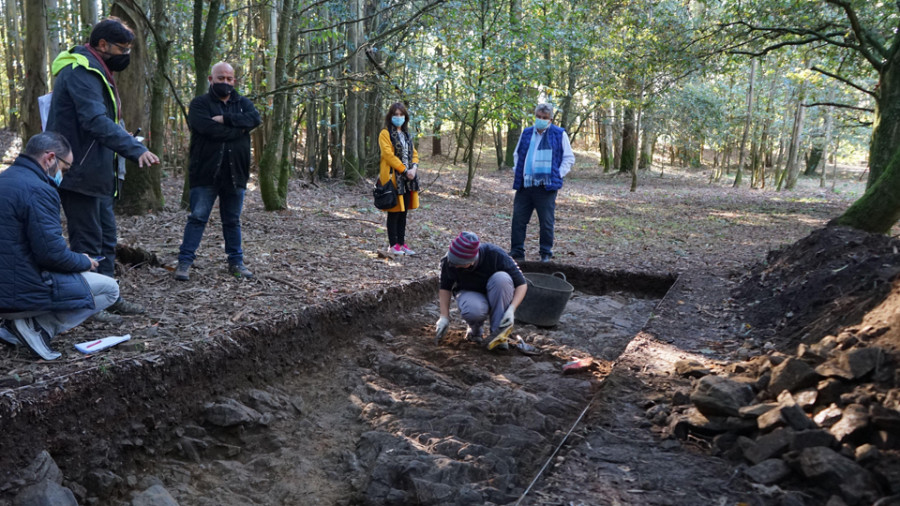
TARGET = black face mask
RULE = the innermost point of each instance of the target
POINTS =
(221, 90)
(118, 62)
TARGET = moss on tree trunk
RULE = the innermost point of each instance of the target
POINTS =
(879, 208)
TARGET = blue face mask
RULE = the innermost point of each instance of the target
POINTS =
(58, 177)
(541, 124)
(398, 120)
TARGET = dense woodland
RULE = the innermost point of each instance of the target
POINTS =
(769, 89)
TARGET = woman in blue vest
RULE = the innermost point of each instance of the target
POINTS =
(542, 158)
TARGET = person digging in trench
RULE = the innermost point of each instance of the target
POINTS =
(487, 284)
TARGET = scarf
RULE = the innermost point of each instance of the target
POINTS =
(403, 151)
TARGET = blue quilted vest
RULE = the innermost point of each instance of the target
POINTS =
(552, 139)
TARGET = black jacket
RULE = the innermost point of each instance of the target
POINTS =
(221, 146)
(83, 109)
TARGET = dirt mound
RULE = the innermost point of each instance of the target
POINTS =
(817, 412)
(829, 279)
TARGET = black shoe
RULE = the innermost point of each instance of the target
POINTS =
(240, 271)
(519, 259)
(182, 272)
(32, 335)
(107, 317)
(122, 306)
(546, 258)
(474, 337)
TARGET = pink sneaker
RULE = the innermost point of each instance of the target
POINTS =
(397, 250)
(406, 250)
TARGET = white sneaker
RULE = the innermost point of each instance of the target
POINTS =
(397, 250)
(36, 340)
(406, 250)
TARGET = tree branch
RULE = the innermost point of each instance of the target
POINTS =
(836, 104)
(829, 37)
(862, 34)
(844, 80)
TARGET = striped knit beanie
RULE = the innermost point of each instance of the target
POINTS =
(463, 249)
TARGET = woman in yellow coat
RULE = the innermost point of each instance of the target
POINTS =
(398, 152)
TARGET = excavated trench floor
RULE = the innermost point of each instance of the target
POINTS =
(368, 411)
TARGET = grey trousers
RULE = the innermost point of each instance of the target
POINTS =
(105, 291)
(475, 307)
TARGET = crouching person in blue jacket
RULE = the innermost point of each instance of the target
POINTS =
(45, 288)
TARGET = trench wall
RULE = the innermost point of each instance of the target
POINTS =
(103, 416)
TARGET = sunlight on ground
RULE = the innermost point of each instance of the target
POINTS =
(660, 357)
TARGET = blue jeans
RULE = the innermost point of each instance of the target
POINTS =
(476, 307)
(91, 223)
(105, 291)
(231, 202)
(526, 202)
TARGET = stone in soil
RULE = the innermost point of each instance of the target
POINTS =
(45, 493)
(718, 396)
(768, 471)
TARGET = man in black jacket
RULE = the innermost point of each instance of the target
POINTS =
(220, 121)
(87, 110)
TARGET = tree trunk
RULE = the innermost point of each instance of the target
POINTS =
(637, 129)
(204, 38)
(792, 170)
(513, 132)
(879, 207)
(88, 17)
(352, 130)
(270, 167)
(158, 86)
(886, 129)
(629, 140)
(35, 67)
(571, 78)
(647, 143)
(12, 55)
(53, 18)
(497, 131)
(814, 159)
(312, 135)
(142, 191)
(609, 148)
(829, 128)
(740, 168)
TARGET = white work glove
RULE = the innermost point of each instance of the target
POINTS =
(509, 317)
(441, 327)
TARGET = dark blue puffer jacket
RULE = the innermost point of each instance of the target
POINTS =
(38, 272)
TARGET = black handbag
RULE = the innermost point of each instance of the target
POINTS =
(385, 194)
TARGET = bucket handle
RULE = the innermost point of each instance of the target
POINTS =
(560, 275)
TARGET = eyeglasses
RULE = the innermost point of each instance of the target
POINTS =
(124, 49)
(60, 159)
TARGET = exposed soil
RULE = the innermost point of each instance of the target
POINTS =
(350, 401)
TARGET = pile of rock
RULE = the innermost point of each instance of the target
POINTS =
(826, 419)
(42, 483)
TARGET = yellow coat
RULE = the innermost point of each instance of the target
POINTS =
(388, 160)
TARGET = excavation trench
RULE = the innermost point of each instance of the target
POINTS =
(344, 403)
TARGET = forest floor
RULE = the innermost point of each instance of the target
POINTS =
(383, 415)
